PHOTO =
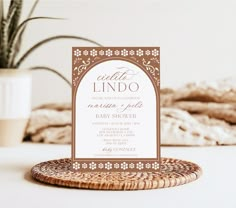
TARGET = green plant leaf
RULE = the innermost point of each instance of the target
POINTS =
(3, 61)
(10, 18)
(5, 28)
(29, 16)
(33, 8)
(4, 38)
(53, 71)
(1, 11)
(21, 26)
(17, 6)
(12, 52)
(1, 19)
(37, 45)
(18, 42)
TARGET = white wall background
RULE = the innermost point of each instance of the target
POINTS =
(197, 38)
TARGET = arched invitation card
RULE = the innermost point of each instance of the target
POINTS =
(116, 109)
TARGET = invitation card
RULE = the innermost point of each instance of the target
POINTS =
(116, 109)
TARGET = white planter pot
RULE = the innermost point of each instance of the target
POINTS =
(15, 105)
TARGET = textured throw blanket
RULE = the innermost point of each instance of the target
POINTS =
(195, 114)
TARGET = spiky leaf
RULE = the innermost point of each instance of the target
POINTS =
(53, 71)
(4, 38)
(17, 5)
(1, 19)
(1, 11)
(18, 42)
(43, 42)
(12, 50)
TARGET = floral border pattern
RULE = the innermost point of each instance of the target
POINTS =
(115, 166)
(147, 58)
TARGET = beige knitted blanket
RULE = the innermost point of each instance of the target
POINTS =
(197, 114)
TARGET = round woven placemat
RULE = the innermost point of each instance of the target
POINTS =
(173, 172)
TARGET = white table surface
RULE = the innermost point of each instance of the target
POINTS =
(216, 188)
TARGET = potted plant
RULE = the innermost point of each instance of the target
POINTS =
(15, 83)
